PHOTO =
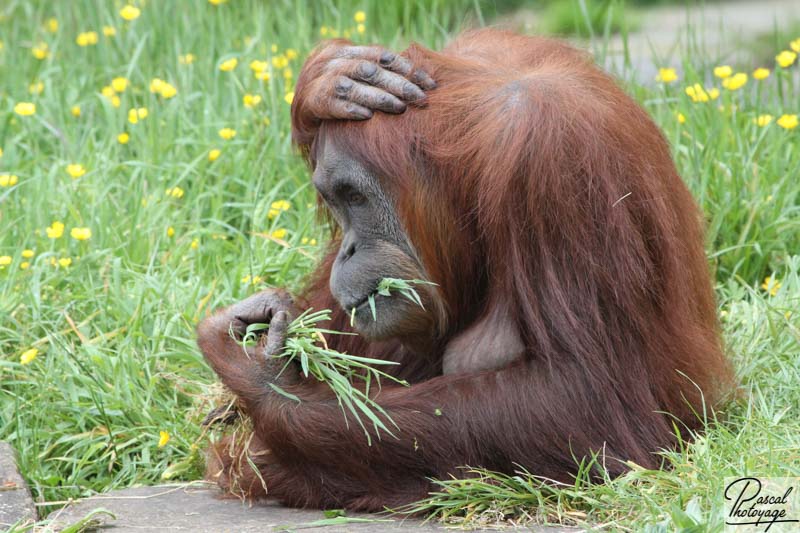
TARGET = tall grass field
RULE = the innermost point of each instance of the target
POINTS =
(147, 176)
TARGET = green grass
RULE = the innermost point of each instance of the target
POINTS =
(117, 362)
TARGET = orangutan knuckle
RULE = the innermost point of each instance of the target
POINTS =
(342, 86)
(367, 70)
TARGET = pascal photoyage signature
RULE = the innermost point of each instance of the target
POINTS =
(751, 507)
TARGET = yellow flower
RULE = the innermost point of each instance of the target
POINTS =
(795, 45)
(287, 73)
(52, 25)
(681, 118)
(55, 230)
(81, 234)
(263, 76)
(723, 71)
(665, 75)
(129, 12)
(279, 233)
(115, 101)
(763, 120)
(786, 58)
(27, 254)
(229, 64)
(277, 207)
(109, 31)
(40, 51)
(75, 110)
(86, 38)
(123, 138)
(360, 28)
(771, 285)
(323, 31)
(107, 91)
(76, 170)
(227, 133)
(254, 280)
(36, 88)
(291, 53)
(360, 17)
(163, 436)
(251, 100)
(1, 152)
(217, 2)
(735, 82)
(25, 109)
(258, 66)
(168, 90)
(64, 262)
(175, 192)
(761, 73)
(214, 154)
(186, 59)
(24, 265)
(289, 97)
(280, 61)
(137, 114)
(5, 260)
(170, 231)
(788, 122)
(28, 356)
(195, 244)
(119, 84)
(306, 240)
(8, 180)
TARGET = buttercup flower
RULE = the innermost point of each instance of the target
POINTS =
(24, 265)
(227, 133)
(289, 97)
(735, 82)
(763, 120)
(28, 356)
(254, 280)
(87, 38)
(8, 180)
(280, 61)
(258, 66)
(137, 114)
(698, 94)
(788, 122)
(170, 231)
(27, 254)
(163, 438)
(251, 100)
(195, 244)
(213, 154)
(109, 31)
(168, 90)
(306, 240)
(25, 109)
(277, 207)
(123, 138)
(279, 233)
(360, 28)
(229, 64)
(795, 45)
(52, 25)
(75, 110)
(64, 262)
(360, 17)
(175, 192)
(119, 84)
(186, 59)
(40, 51)
(291, 53)
(55, 230)
(263, 76)
(81, 234)
(76, 170)
(36, 88)
(771, 285)
(217, 2)
(129, 12)
(723, 71)
(786, 58)
(761, 73)
(681, 118)
(5, 260)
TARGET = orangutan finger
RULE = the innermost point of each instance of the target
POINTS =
(373, 98)
(390, 61)
(345, 110)
(389, 81)
(276, 336)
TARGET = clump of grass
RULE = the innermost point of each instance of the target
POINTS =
(350, 377)
(385, 287)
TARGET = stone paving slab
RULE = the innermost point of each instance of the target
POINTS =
(198, 508)
(16, 503)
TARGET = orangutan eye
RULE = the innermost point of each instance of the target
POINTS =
(355, 198)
